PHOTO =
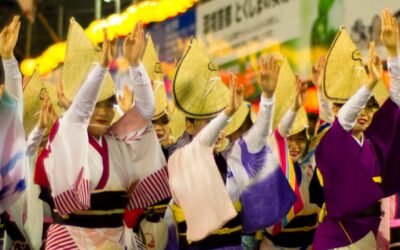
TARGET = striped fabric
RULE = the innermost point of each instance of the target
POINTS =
(74, 199)
(150, 190)
(139, 243)
(280, 147)
(59, 238)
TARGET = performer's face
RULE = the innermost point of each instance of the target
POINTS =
(364, 119)
(102, 117)
(194, 127)
(297, 145)
(162, 129)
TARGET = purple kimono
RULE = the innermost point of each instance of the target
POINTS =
(348, 169)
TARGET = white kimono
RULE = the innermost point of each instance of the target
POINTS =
(128, 158)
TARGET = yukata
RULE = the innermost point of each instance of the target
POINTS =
(29, 216)
(254, 183)
(357, 174)
(93, 180)
(297, 228)
(13, 160)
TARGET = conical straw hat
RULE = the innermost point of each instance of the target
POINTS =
(81, 55)
(300, 123)
(344, 71)
(151, 61)
(284, 95)
(177, 123)
(197, 89)
(161, 100)
(34, 95)
(239, 117)
(154, 70)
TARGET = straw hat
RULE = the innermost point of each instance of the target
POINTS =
(34, 94)
(177, 122)
(161, 100)
(239, 117)
(81, 55)
(284, 95)
(197, 88)
(151, 61)
(344, 71)
(300, 123)
(154, 70)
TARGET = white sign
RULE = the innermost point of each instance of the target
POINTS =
(233, 29)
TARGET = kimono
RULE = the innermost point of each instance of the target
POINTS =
(356, 175)
(251, 181)
(296, 230)
(13, 160)
(93, 180)
(395, 223)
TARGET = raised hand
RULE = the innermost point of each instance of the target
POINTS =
(125, 101)
(134, 45)
(46, 113)
(62, 100)
(9, 38)
(235, 96)
(317, 72)
(300, 96)
(374, 67)
(269, 73)
(109, 49)
(390, 33)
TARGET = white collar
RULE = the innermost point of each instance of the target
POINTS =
(361, 141)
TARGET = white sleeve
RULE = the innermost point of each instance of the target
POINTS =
(34, 139)
(13, 78)
(285, 124)
(209, 135)
(256, 137)
(394, 68)
(144, 97)
(85, 100)
(325, 109)
(348, 114)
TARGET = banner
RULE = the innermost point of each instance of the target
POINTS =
(233, 29)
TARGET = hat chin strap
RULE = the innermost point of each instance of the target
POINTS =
(213, 81)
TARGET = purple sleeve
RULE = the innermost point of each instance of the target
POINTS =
(384, 132)
(348, 187)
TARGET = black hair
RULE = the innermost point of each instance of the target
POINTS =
(163, 120)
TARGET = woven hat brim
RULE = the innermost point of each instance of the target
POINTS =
(197, 88)
(81, 55)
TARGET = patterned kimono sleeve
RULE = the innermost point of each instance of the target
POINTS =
(13, 160)
(63, 165)
(145, 161)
